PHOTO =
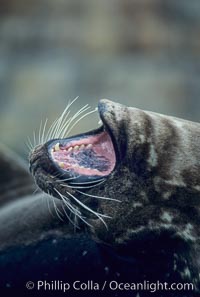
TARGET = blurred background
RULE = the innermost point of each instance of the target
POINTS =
(143, 53)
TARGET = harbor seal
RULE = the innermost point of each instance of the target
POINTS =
(135, 183)
(132, 185)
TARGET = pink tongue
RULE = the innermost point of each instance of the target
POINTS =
(93, 155)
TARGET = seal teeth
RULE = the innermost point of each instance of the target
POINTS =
(61, 164)
(100, 122)
(89, 145)
(57, 147)
(77, 147)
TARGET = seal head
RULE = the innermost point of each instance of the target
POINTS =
(148, 162)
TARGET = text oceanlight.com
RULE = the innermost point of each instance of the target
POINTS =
(90, 285)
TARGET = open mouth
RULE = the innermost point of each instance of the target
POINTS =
(62, 166)
(85, 157)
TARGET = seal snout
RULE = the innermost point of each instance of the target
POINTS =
(34, 157)
(39, 159)
(106, 107)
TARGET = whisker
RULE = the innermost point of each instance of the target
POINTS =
(99, 215)
(77, 114)
(35, 191)
(75, 223)
(98, 197)
(67, 179)
(64, 123)
(28, 147)
(77, 214)
(84, 187)
(89, 182)
(68, 123)
(40, 131)
(71, 208)
(68, 217)
(48, 204)
(43, 132)
(59, 125)
(57, 210)
(34, 139)
(50, 131)
(29, 143)
(60, 119)
(92, 111)
(67, 202)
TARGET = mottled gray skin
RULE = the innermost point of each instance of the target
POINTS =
(157, 181)
(157, 175)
